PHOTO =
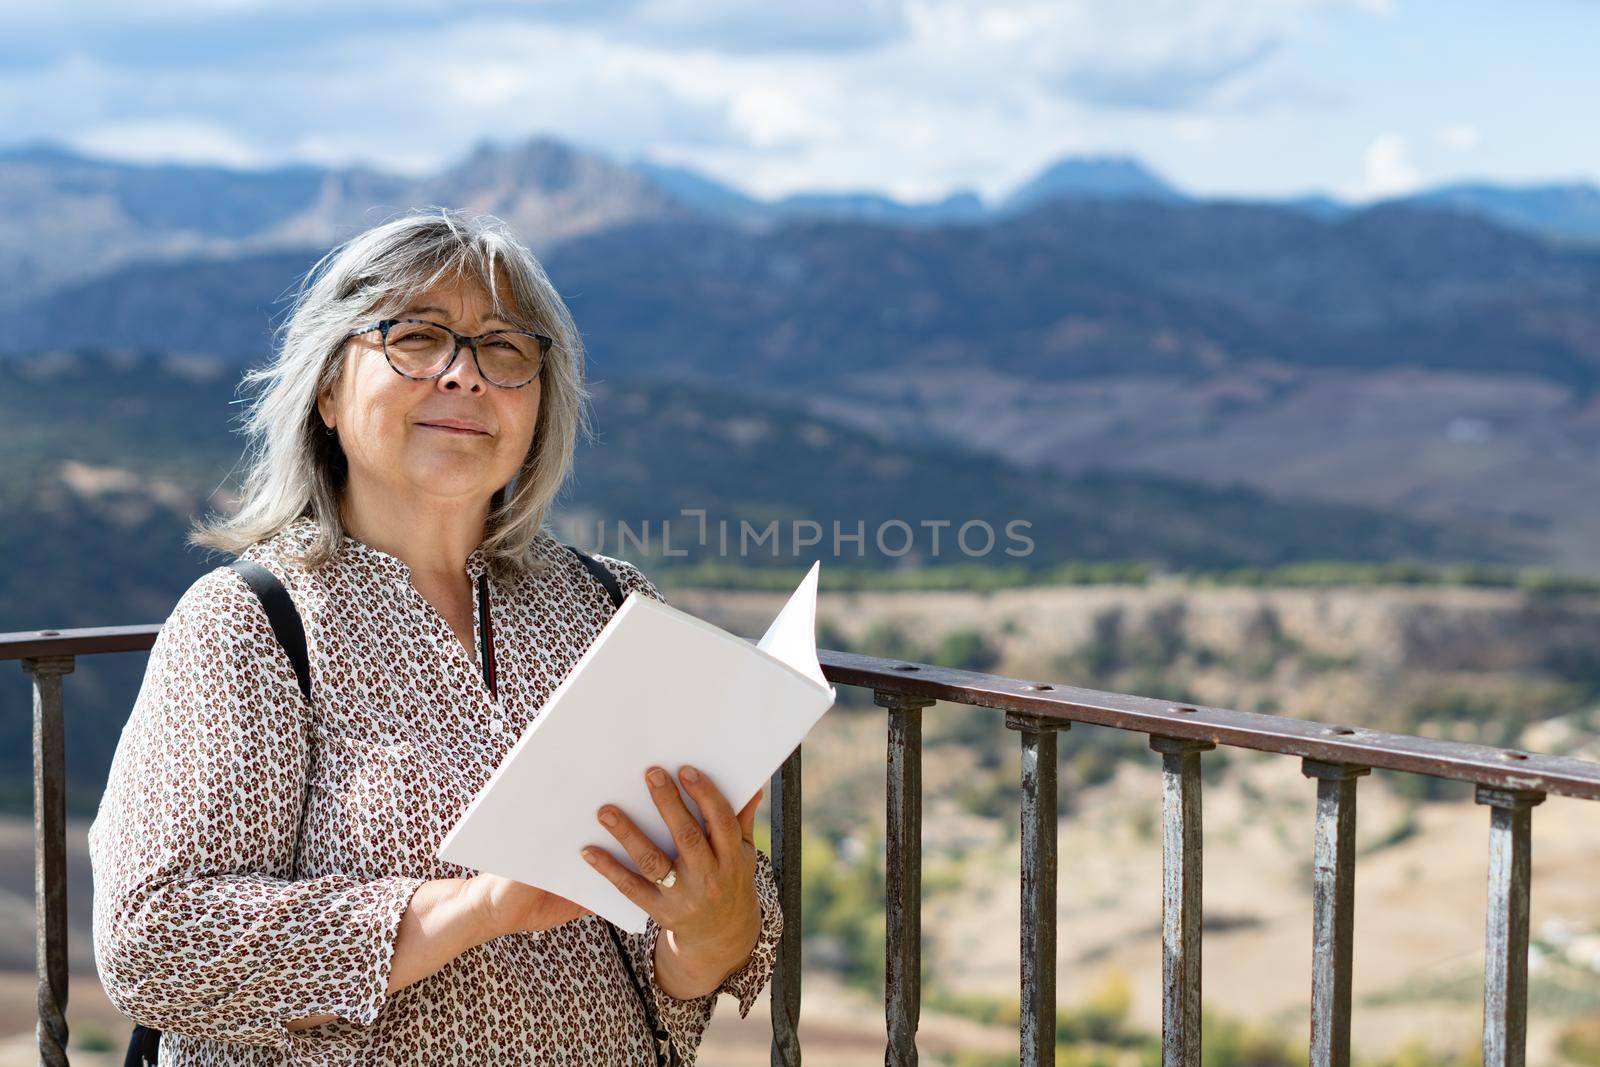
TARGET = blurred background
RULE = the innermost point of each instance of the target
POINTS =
(1263, 338)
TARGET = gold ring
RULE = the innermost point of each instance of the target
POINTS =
(668, 880)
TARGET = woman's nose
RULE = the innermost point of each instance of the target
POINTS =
(463, 372)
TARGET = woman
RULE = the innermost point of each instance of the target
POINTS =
(266, 885)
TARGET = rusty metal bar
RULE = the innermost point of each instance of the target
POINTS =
(1333, 909)
(1223, 726)
(1182, 863)
(49, 644)
(1038, 815)
(785, 992)
(1505, 968)
(50, 855)
(902, 978)
(1328, 743)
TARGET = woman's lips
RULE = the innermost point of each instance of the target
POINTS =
(452, 429)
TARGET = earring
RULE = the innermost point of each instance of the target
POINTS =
(328, 430)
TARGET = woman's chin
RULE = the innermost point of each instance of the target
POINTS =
(466, 480)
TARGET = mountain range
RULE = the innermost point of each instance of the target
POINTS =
(1434, 360)
(65, 216)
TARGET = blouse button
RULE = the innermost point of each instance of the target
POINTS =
(494, 725)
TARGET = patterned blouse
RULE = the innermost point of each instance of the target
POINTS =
(253, 856)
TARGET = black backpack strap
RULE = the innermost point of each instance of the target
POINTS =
(601, 572)
(144, 1044)
(283, 615)
(143, 1047)
(665, 1053)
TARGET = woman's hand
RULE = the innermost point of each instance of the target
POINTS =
(506, 906)
(711, 909)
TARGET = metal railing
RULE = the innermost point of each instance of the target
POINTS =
(1509, 782)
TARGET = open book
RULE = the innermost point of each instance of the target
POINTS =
(657, 687)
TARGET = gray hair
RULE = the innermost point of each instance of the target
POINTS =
(294, 469)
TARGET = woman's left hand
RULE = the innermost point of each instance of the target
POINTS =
(711, 909)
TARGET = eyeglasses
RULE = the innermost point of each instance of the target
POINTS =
(423, 350)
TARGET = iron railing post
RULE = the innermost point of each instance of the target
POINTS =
(902, 961)
(1505, 967)
(1038, 826)
(785, 994)
(50, 854)
(1333, 909)
(1182, 867)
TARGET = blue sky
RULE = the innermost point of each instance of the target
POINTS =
(918, 98)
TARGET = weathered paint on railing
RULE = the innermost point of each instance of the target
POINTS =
(1039, 870)
(785, 982)
(1333, 902)
(902, 957)
(1505, 968)
(1182, 866)
(50, 854)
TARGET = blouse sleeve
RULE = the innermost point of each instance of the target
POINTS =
(199, 925)
(686, 1020)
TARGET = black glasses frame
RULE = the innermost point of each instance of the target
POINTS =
(385, 325)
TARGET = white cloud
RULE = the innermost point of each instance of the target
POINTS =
(489, 82)
(742, 26)
(177, 140)
(1389, 170)
(773, 118)
(172, 12)
(924, 96)
(1194, 128)
(1458, 136)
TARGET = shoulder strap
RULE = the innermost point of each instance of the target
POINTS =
(283, 615)
(144, 1046)
(665, 1053)
(601, 572)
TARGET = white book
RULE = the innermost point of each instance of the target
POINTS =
(658, 687)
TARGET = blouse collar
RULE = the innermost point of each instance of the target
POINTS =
(393, 566)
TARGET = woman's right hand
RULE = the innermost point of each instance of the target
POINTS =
(507, 906)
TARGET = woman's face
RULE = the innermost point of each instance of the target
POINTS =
(386, 421)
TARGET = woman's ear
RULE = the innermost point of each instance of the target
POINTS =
(324, 407)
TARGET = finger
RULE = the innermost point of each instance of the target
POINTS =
(721, 823)
(635, 888)
(693, 848)
(651, 861)
(747, 817)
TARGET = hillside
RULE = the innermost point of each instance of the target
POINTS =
(131, 446)
(1066, 291)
